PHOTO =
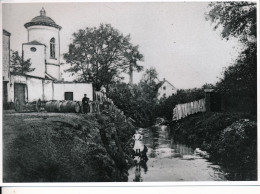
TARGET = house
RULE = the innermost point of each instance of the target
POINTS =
(44, 83)
(166, 89)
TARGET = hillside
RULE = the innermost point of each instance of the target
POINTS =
(61, 147)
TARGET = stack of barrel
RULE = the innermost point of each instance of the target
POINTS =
(62, 106)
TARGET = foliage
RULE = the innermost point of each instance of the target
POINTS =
(101, 54)
(137, 101)
(165, 106)
(18, 65)
(229, 138)
(237, 147)
(239, 82)
(238, 19)
(66, 148)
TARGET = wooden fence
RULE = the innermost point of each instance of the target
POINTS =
(102, 102)
(183, 110)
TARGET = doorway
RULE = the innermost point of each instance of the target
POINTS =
(68, 96)
(19, 92)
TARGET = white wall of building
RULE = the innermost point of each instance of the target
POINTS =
(37, 59)
(48, 90)
(43, 34)
(166, 90)
(78, 89)
(35, 89)
(53, 70)
(13, 80)
(6, 57)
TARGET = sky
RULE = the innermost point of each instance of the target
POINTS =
(174, 37)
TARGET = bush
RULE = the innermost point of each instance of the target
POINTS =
(237, 148)
(229, 139)
(66, 150)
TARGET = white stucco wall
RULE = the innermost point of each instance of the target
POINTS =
(6, 57)
(53, 70)
(10, 85)
(78, 89)
(48, 90)
(37, 59)
(168, 91)
(35, 89)
(43, 34)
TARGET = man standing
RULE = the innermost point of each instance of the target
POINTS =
(85, 104)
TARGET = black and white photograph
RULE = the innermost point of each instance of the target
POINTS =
(97, 92)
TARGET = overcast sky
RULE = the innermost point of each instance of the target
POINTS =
(174, 37)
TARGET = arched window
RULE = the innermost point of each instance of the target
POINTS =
(52, 48)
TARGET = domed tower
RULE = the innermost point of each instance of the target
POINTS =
(43, 44)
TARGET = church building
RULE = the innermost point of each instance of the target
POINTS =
(44, 83)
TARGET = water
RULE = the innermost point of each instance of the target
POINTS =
(170, 161)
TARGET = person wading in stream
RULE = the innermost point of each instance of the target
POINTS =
(138, 145)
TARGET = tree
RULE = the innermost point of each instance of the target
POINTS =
(239, 82)
(18, 65)
(137, 100)
(238, 19)
(149, 84)
(101, 55)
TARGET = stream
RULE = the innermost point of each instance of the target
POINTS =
(170, 161)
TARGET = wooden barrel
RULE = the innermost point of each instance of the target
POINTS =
(49, 106)
(75, 107)
(53, 106)
(70, 106)
(64, 107)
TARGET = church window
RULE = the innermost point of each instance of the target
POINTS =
(52, 48)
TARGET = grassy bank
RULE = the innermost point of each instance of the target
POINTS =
(229, 138)
(59, 147)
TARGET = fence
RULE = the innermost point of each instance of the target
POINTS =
(183, 110)
(102, 102)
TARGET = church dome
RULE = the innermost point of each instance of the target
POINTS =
(42, 20)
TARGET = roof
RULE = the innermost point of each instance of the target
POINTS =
(42, 20)
(48, 76)
(34, 42)
(6, 33)
(70, 82)
(167, 82)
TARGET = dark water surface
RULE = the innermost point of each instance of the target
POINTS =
(170, 161)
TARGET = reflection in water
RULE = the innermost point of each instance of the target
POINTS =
(171, 161)
(138, 171)
(181, 149)
(159, 137)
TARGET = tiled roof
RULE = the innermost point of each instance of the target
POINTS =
(42, 20)
(48, 76)
(6, 33)
(34, 42)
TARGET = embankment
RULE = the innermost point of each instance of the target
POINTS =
(65, 147)
(229, 138)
